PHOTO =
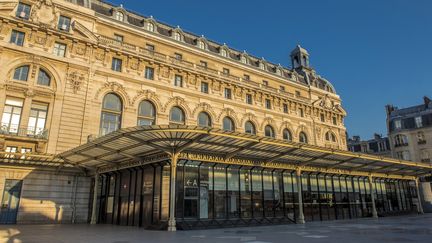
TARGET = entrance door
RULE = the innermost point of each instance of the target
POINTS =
(10, 201)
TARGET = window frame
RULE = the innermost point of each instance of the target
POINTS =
(17, 37)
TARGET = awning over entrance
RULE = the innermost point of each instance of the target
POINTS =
(145, 144)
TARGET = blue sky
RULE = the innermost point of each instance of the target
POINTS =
(375, 52)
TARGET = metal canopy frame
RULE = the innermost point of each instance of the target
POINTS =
(145, 144)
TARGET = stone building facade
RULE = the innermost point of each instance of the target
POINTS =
(77, 70)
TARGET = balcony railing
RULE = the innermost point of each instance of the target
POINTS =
(116, 43)
(181, 62)
(421, 142)
(29, 132)
(206, 69)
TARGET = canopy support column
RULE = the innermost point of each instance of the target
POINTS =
(94, 205)
(374, 211)
(420, 206)
(300, 218)
(172, 220)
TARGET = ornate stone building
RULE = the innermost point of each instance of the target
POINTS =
(77, 70)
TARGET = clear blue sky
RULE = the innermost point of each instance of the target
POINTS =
(375, 52)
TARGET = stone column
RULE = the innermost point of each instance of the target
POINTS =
(374, 211)
(420, 206)
(172, 220)
(300, 218)
(94, 206)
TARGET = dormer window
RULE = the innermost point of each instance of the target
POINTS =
(224, 53)
(262, 65)
(243, 59)
(119, 16)
(177, 36)
(150, 27)
(201, 44)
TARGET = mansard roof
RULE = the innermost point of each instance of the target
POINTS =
(136, 19)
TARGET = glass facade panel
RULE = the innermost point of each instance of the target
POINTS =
(209, 194)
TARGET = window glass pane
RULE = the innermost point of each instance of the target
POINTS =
(112, 102)
(220, 192)
(250, 128)
(177, 115)
(257, 193)
(228, 124)
(204, 120)
(233, 192)
(43, 78)
(245, 193)
(21, 73)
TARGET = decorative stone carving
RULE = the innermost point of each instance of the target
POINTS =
(204, 107)
(228, 112)
(147, 95)
(177, 101)
(114, 87)
(44, 13)
(249, 117)
(99, 55)
(76, 79)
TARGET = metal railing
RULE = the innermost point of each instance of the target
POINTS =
(31, 132)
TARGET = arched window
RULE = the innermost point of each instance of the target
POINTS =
(329, 136)
(150, 27)
(177, 36)
(250, 128)
(43, 78)
(21, 73)
(146, 113)
(204, 119)
(303, 137)
(111, 114)
(228, 124)
(119, 16)
(287, 135)
(177, 116)
(269, 132)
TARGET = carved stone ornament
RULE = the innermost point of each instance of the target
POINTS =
(44, 13)
(76, 79)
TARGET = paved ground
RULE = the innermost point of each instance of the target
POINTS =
(411, 228)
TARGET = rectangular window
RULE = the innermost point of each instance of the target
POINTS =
(228, 94)
(59, 49)
(178, 56)
(118, 38)
(322, 118)
(265, 82)
(268, 103)
(17, 38)
(226, 71)
(178, 81)
(149, 73)
(419, 121)
(285, 108)
(12, 115)
(397, 124)
(204, 87)
(203, 64)
(116, 64)
(249, 99)
(37, 120)
(246, 77)
(11, 149)
(282, 88)
(334, 120)
(64, 23)
(23, 11)
(298, 93)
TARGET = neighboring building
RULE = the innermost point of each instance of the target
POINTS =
(378, 145)
(179, 130)
(410, 131)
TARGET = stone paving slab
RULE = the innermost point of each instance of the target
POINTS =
(411, 228)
